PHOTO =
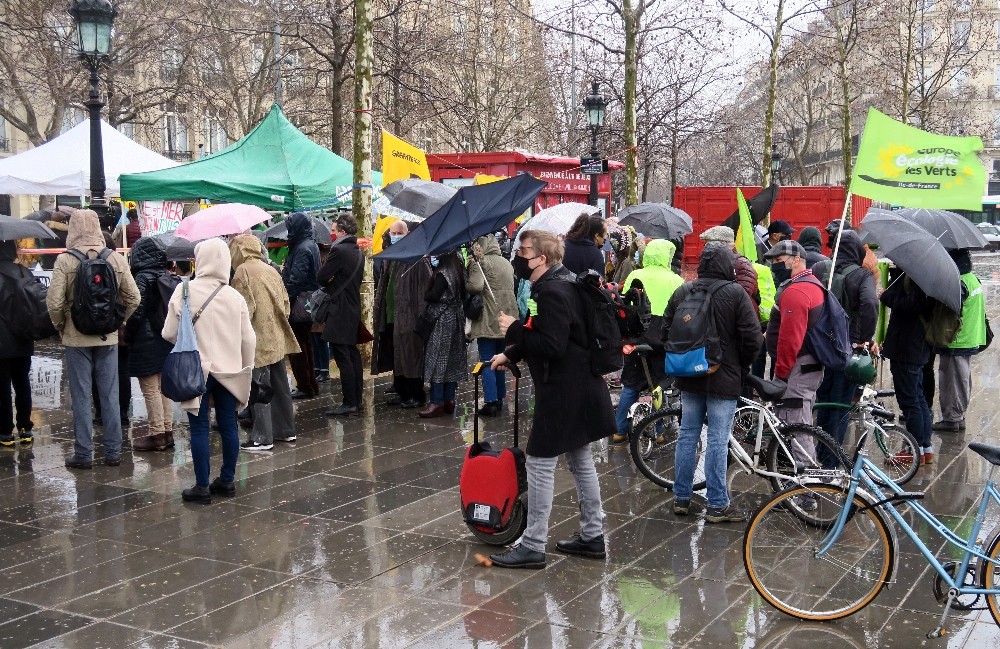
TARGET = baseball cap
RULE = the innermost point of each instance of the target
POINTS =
(780, 226)
(786, 247)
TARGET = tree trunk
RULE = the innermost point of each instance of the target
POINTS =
(361, 195)
(631, 80)
(772, 88)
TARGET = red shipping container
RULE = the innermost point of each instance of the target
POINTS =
(800, 206)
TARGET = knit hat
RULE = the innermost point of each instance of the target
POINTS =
(722, 233)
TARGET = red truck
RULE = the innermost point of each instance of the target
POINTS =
(800, 206)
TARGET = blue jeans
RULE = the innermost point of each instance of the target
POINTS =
(494, 381)
(321, 353)
(909, 383)
(834, 389)
(225, 415)
(694, 410)
(94, 370)
(442, 392)
(629, 397)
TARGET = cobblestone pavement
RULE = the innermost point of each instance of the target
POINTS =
(352, 537)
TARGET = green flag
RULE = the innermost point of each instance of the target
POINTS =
(903, 165)
(745, 243)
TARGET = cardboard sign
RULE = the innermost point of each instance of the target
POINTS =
(158, 217)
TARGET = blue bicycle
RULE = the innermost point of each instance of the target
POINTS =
(834, 563)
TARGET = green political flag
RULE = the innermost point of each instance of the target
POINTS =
(903, 165)
(745, 243)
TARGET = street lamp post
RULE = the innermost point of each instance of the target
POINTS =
(775, 163)
(594, 106)
(94, 19)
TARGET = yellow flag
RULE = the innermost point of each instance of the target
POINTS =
(745, 243)
(400, 159)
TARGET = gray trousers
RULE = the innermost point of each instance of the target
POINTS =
(796, 406)
(101, 362)
(954, 386)
(276, 418)
(541, 481)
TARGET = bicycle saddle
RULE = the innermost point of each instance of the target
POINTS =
(990, 453)
(768, 390)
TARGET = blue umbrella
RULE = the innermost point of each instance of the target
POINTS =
(472, 212)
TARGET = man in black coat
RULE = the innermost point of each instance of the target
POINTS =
(714, 396)
(341, 277)
(16, 351)
(299, 275)
(572, 405)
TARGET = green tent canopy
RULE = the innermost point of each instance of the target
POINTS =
(275, 166)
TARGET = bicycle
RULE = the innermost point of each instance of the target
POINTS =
(790, 453)
(843, 564)
(650, 400)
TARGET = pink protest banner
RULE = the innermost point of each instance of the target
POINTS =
(158, 217)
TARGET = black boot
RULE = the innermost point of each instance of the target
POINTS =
(200, 494)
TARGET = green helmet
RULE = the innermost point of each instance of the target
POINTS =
(860, 369)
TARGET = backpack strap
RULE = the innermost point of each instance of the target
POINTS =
(80, 256)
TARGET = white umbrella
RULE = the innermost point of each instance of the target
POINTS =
(557, 219)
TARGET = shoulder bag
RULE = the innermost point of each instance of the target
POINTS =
(183, 377)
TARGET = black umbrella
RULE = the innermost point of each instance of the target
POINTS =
(760, 205)
(918, 254)
(177, 248)
(417, 196)
(954, 231)
(657, 220)
(14, 228)
(321, 230)
(473, 211)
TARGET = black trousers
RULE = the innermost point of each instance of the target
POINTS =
(302, 363)
(348, 360)
(409, 389)
(14, 374)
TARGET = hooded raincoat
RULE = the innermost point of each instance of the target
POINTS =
(226, 340)
(12, 343)
(147, 348)
(494, 270)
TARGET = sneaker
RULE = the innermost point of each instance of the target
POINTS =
(927, 456)
(7, 439)
(221, 488)
(322, 377)
(519, 557)
(253, 446)
(285, 439)
(727, 514)
(113, 460)
(25, 436)
(593, 548)
(619, 439)
(684, 506)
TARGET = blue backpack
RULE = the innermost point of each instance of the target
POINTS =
(829, 339)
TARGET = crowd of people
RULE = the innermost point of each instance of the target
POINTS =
(247, 323)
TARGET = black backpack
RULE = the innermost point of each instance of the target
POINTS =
(604, 335)
(162, 291)
(693, 346)
(26, 313)
(634, 310)
(96, 310)
(822, 272)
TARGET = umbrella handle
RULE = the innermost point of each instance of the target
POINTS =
(484, 278)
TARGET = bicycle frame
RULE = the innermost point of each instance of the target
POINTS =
(861, 475)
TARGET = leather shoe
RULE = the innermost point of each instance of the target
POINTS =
(395, 401)
(201, 494)
(76, 462)
(299, 394)
(519, 557)
(432, 410)
(322, 377)
(413, 403)
(593, 548)
(489, 409)
(340, 411)
(949, 426)
(221, 488)
(449, 407)
(113, 460)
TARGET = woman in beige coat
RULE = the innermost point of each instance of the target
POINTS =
(226, 342)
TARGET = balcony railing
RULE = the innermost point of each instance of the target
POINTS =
(178, 155)
(4, 144)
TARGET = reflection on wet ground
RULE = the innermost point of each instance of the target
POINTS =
(352, 537)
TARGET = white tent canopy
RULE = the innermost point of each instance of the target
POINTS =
(62, 165)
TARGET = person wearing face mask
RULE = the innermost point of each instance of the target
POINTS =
(384, 318)
(572, 405)
(445, 356)
(778, 231)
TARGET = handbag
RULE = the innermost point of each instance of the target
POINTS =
(473, 306)
(183, 377)
(320, 306)
(301, 308)
(424, 326)
(364, 336)
(261, 390)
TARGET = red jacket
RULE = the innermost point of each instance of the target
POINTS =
(798, 306)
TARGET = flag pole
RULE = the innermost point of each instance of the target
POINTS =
(836, 245)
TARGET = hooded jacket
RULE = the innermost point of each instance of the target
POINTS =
(147, 348)
(904, 336)
(736, 325)
(581, 255)
(266, 298)
(859, 287)
(812, 240)
(12, 344)
(302, 262)
(86, 236)
(226, 340)
(496, 271)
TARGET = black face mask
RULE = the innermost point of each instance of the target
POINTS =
(780, 273)
(521, 268)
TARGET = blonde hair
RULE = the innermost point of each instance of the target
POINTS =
(545, 243)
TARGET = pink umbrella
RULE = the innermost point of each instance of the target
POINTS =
(220, 220)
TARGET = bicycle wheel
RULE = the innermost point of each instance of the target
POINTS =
(745, 426)
(795, 454)
(897, 450)
(990, 575)
(779, 554)
(653, 445)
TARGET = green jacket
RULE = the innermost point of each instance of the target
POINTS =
(659, 281)
(972, 333)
